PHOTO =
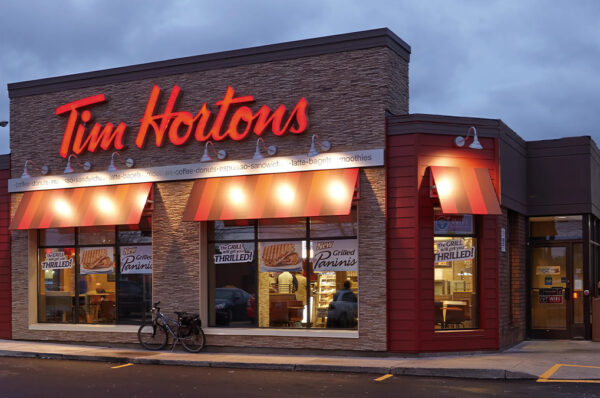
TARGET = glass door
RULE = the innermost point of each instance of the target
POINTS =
(550, 293)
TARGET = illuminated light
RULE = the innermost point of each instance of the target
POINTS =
(285, 193)
(141, 199)
(63, 207)
(575, 295)
(444, 187)
(237, 196)
(337, 191)
(106, 205)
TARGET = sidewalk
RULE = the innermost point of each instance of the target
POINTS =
(578, 360)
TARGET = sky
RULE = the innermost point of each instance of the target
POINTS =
(533, 64)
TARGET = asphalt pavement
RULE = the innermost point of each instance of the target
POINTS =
(543, 360)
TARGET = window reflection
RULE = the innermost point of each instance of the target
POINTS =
(556, 228)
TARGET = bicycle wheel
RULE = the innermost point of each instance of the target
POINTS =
(152, 337)
(195, 341)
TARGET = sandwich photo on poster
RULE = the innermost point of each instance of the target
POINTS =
(96, 260)
(280, 256)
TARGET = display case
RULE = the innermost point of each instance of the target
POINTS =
(326, 288)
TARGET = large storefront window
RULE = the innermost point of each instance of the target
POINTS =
(455, 272)
(103, 276)
(284, 273)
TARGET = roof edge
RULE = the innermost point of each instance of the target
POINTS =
(382, 37)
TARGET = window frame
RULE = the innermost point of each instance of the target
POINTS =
(76, 246)
(476, 284)
(307, 237)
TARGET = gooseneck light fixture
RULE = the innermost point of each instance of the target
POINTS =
(271, 149)
(44, 169)
(324, 146)
(460, 141)
(220, 154)
(87, 166)
(113, 168)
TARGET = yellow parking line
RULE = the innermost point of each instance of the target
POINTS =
(382, 378)
(583, 366)
(122, 366)
(545, 377)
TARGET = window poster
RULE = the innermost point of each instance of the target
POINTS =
(452, 224)
(280, 256)
(96, 260)
(57, 260)
(233, 253)
(547, 270)
(335, 255)
(452, 250)
(136, 259)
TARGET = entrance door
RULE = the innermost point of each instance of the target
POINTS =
(556, 275)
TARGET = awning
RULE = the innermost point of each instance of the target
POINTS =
(465, 190)
(82, 207)
(299, 194)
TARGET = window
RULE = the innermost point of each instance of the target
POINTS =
(284, 273)
(95, 274)
(455, 272)
(556, 228)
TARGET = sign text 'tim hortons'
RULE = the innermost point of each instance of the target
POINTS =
(178, 127)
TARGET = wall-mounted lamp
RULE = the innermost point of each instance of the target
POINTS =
(220, 154)
(44, 169)
(271, 150)
(113, 168)
(460, 141)
(87, 166)
(324, 146)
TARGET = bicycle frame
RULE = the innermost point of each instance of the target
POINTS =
(167, 322)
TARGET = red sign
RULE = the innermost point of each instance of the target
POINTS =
(178, 127)
(550, 299)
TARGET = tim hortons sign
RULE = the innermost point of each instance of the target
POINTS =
(178, 127)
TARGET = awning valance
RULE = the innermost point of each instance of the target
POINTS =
(465, 190)
(82, 207)
(299, 194)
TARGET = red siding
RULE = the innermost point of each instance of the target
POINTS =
(410, 245)
(5, 285)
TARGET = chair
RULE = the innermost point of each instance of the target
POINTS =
(278, 307)
(455, 315)
(439, 314)
(295, 310)
(107, 311)
(278, 312)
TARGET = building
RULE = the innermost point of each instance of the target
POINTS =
(285, 194)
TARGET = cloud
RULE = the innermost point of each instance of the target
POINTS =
(532, 64)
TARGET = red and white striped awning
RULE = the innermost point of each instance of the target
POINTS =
(465, 190)
(82, 207)
(299, 194)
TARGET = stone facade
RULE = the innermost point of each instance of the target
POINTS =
(348, 92)
(512, 279)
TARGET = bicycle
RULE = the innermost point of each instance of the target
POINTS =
(187, 329)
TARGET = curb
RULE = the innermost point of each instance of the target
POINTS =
(464, 373)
